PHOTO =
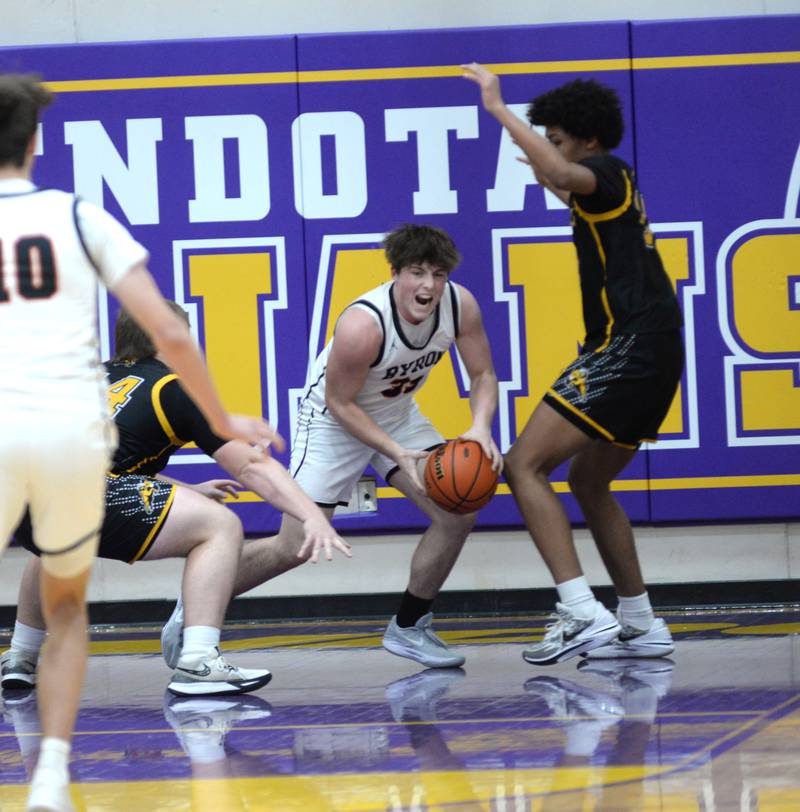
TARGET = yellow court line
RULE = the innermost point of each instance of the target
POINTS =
(495, 720)
(667, 484)
(421, 72)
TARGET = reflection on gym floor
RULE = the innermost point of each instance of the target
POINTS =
(346, 726)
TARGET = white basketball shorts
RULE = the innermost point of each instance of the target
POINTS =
(327, 461)
(55, 464)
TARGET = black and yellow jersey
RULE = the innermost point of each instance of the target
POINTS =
(154, 416)
(623, 284)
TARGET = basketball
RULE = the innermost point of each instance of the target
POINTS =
(459, 476)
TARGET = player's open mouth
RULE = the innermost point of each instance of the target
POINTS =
(423, 300)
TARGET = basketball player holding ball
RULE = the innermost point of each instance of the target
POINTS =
(358, 410)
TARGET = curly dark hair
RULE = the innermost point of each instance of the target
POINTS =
(22, 96)
(411, 244)
(583, 109)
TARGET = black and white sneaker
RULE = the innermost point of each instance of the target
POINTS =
(633, 643)
(570, 636)
(212, 674)
(18, 672)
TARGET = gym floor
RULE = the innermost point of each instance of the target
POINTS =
(346, 726)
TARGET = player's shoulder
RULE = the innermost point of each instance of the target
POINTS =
(376, 296)
(149, 369)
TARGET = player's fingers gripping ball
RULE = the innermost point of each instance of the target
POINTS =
(459, 476)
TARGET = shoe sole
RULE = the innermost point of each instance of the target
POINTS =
(600, 638)
(18, 682)
(652, 651)
(410, 654)
(200, 688)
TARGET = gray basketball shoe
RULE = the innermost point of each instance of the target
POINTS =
(570, 636)
(420, 643)
(17, 672)
(212, 674)
(633, 643)
(172, 635)
(414, 698)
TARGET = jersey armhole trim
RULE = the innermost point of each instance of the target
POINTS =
(155, 396)
(81, 238)
(612, 214)
(456, 311)
(379, 316)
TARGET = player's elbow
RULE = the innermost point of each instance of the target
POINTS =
(559, 177)
(333, 404)
(172, 336)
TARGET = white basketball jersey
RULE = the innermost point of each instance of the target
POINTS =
(53, 248)
(407, 355)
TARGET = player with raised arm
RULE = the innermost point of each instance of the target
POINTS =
(616, 393)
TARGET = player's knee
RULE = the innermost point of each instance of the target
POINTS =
(517, 463)
(230, 526)
(290, 539)
(456, 525)
(584, 486)
(514, 464)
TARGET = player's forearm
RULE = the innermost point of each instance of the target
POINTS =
(182, 356)
(483, 397)
(357, 422)
(273, 483)
(543, 156)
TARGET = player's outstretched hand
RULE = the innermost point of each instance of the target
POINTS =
(487, 82)
(253, 430)
(218, 489)
(320, 535)
(485, 440)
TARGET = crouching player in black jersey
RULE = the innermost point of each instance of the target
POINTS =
(615, 395)
(150, 517)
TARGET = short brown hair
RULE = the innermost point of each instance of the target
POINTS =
(22, 96)
(411, 244)
(131, 343)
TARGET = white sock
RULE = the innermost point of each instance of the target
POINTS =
(54, 755)
(582, 739)
(637, 612)
(576, 595)
(27, 640)
(197, 640)
(204, 746)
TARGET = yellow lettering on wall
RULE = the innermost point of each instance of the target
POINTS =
(674, 253)
(356, 271)
(359, 270)
(770, 399)
(761, 272)
(230, 285)
(552, 319)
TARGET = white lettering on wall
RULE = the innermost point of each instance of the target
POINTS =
(432, 125)
(350, 155)
(95, 159)
(210, 203)
(513, 177)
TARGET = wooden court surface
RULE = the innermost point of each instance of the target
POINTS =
(346, 726)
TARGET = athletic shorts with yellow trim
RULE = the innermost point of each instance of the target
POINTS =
(621, 393)
(136, 508)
